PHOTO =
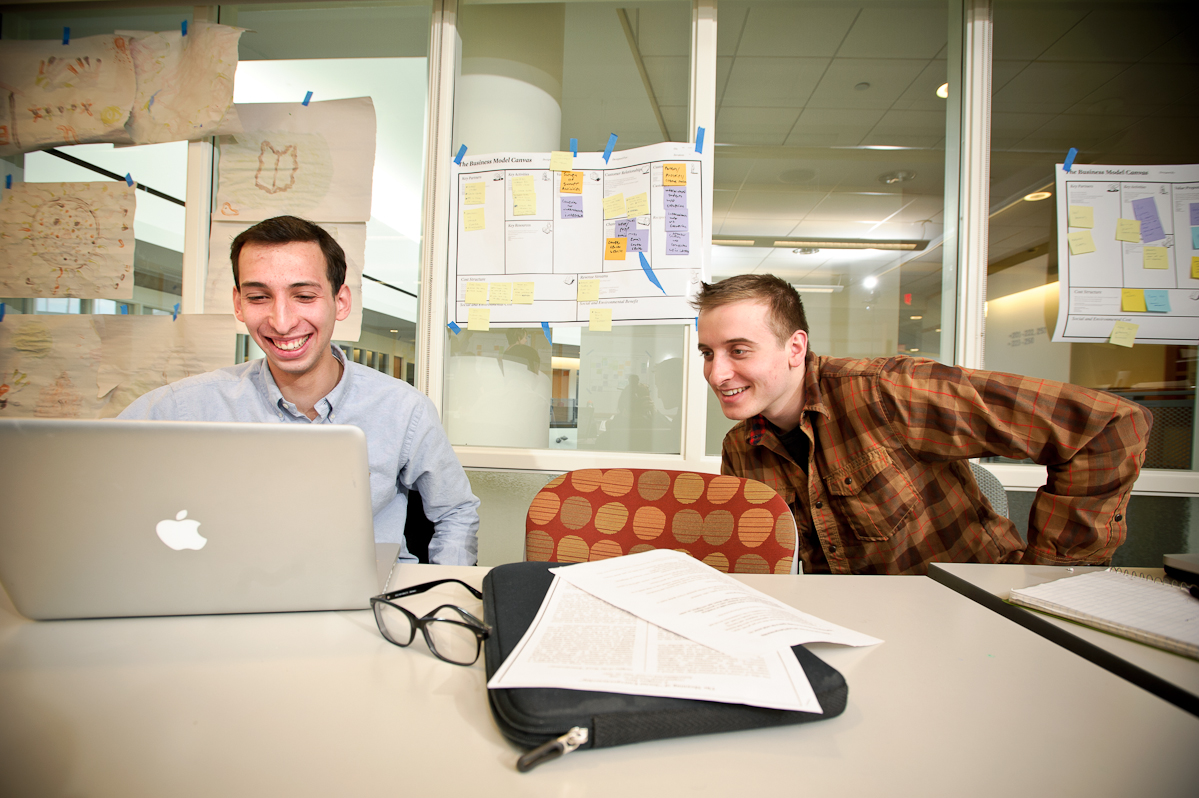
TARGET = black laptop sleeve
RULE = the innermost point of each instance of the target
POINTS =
(512, 595)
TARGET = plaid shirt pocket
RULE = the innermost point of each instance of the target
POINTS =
(874, 497)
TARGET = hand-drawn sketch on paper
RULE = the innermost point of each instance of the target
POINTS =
(48, 367)
(54, 93)
(314, 161)
(141, 353)
(218, 288)
(67, 240)
(184, 83)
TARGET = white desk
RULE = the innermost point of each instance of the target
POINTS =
(1152, 668)
(958, 701)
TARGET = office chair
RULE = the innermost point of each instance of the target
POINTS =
(735, 525)
(418, 529)
(991, 487)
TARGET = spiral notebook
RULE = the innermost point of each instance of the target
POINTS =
(1138, 607)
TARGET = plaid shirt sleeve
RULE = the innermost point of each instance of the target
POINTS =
(1093, 444)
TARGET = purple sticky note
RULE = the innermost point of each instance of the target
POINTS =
(624, 227)
(677, 244)
(638, 241)
(1145, 210)
(674, 197)
(1194, 214)
(572, 207)
(676, 221)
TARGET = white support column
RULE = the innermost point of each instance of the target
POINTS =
(198, 210)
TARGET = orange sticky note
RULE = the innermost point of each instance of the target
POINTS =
(674, 174)
(614, 248)
(1132, 300)
(600, 320)
(572, 183)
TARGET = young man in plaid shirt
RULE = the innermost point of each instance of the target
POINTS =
(871, 454)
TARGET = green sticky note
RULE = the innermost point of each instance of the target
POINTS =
(1157, 300)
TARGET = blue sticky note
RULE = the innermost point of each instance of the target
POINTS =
(611, 146)
(1195, 238)
(129, 179)
(307, 99)
(66, 35)
(699, 140)
(1070, 156)
(572, 207)
(184, 27)
(454, 327)
(624, 226)
(638, 241)
(545, 325)
(674, 197)
(1157, 300)
(1195, 213)
(461, 152)
(574, 150)
(653, 278)
(678, 244)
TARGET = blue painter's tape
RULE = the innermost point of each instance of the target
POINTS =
(307, 99)
(697, 323)
(545, 327)
(184, 26)
(129, 179)
(175, 312)
(574, 147)
(1070, 156)
(66, 35)
(653, 278)
(124, 310)
(454, 327)
(461, 152)
(699, 140)
(1, 311)
(611, 146)
(8, 181)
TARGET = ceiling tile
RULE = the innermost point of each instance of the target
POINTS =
(828, 127)
(661, 29)
(921, 95)
(670, 78)
(1009, 129)
(908, 129)
(1126, 33)
(1025, 30)
(1082, 131)
(793, 205)
(748, 226)
(772, 82)
(791, 30)
(911, 31)
(1052, 86)
(761, 126)
(888, 79)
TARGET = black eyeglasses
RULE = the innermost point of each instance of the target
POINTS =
(452, 633)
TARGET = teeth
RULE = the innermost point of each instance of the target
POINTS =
(291, 346)
(733, 392)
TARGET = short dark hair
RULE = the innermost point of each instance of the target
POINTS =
(780, 297)
(285, 230)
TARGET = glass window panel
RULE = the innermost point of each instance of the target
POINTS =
(830, 169)
(1116, 81)
(533, 77)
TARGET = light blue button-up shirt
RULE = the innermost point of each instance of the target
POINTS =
(406, 445)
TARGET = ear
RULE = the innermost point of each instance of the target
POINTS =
(344, 302)
(797, 348)
(237, 305)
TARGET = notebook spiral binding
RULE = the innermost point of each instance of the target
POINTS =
(1161, 580)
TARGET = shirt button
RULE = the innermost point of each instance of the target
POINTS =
(849, 480)
(819, 504)
(1119, 517)
(832, 549)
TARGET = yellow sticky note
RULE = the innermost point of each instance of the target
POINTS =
(524, 204)
(614, 207)
(1156, 258)
(561, 161)
(1132, 299)
(1124, 334)
(522, 184)
(476, 293)
(522, 293)
(1128, 230)
(637, 205)
(614, 248)
(600, 320)
(1081, 242)
(1195, 267)
(478, 319)
(476, 193)
(1082, 216)
(499, 294)
(472, 219)
(572, 183)
(674, 174)
(588, 290)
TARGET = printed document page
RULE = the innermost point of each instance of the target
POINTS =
(692, 599)
(579, 642)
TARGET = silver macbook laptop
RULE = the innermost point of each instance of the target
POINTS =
(127, 518)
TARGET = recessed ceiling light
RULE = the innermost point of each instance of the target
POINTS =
(915, 318)
(943, 91)
(395, 331)
(870, 282)
(1037, 195)
(862, 86)
(937, 330)
(900, 176)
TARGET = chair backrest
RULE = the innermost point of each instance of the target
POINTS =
(991, 487)
(735, 525)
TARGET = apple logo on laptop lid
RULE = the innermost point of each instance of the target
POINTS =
(182, 533)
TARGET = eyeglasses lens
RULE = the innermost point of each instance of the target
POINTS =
(393, 623)
(453, 640)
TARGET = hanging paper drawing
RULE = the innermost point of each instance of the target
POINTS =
(276, 168)
(67, 240)
(48, 367)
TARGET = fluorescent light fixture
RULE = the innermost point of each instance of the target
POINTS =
(943, 91)
(817, 289)
(733, 242)
(851, 244)
(913, 349)
(915, 318)
(565, 363)
(1037, 195)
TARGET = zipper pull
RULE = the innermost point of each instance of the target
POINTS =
(553, 749)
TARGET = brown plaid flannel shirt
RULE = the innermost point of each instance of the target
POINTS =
(888, 490)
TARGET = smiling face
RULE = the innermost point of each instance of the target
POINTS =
(288, 306)
(750, 371)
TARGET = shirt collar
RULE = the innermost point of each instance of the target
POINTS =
(324, 408)
(758, 426)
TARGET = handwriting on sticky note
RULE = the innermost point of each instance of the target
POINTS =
(1195, 267)
(1080, 242)
(1157, 300)
(1132, 300)
(614, 207)
(476, 293)
(1124, 334)
(600, 320)
(522, 293)
(1195, 238)
(522, 184)
(499, 294)
(624, 227)
(561, 161)
(674, 174)
(1082, 216)
(524, 204)
(637, 205)
(478, 319)
(1195, 213)
(678, 244)
(674, 198)
(572, 207)
(572, 183)
(614, 248)
(638, 241)
(1128, 230)
(476, 193)
(588, 290)
(1156, 257)
(472, 219)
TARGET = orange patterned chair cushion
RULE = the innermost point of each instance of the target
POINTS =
(735, 525)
